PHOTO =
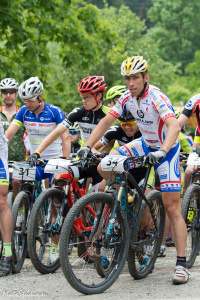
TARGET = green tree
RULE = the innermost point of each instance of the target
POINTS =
(175, 29)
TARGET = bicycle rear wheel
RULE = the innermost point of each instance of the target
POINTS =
(146, 237)
(191, 212)
(81, 228)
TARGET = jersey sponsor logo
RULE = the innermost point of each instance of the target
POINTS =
(45, 119)
(85, 119)
(140, 114)
(144, 122)
(188, 104)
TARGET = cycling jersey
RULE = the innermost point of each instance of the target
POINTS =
(4, 177)
(150, 111)
(116, 133)
(87, 120)
(16, 148)
(193, 106)
(39, 126)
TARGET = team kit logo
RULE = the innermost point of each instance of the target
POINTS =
(140, 114)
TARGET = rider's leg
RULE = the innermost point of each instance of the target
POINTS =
(170, 185)
(188, 172)
(6, 225)
(5, 215)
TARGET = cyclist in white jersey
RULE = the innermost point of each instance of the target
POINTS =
(39, 119)
(5, 212)
(159, 128)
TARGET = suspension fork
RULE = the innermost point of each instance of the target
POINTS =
(141, 192)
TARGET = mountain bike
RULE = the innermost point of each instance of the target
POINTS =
(191, 215)
(49, 212)
(21, 208)
(127, 226)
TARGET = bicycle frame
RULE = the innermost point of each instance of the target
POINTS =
(121, 196)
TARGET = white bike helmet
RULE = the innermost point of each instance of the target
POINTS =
(30, 88)
(8, 83)
(133, 65)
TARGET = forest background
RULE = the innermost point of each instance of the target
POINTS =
(61, 41)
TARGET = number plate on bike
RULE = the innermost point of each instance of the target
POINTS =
(113, 163)
(57, 165)
(23, 171)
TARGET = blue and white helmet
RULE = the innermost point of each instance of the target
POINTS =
(30, 88)
(8, 83)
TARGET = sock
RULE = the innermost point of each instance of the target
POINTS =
(181, 261)
(7, 251)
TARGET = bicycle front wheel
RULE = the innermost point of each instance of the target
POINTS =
(44, 230)
(147, 237)
(87, 224)
(20, 211)
(190, 212)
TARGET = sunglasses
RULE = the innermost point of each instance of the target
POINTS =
(5, 92)
(128, 124)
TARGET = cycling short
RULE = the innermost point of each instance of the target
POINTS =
(168, 169)
(4, 174)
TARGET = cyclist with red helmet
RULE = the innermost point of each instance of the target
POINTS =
(91, 90)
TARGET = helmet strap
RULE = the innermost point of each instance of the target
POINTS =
(97, 103)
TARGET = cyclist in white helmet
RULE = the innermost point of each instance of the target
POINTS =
(8, 88)
(159, 142)
(8, 110)
(39, 119)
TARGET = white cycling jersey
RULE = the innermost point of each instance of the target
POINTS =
(150, 111)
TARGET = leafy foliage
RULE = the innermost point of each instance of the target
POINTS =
(62, 41)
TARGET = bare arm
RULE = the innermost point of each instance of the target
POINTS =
(66, 144)
(173, 129)
(12, 129)
(98, 145)
(182, 120)
(50, 138)
(100, 129)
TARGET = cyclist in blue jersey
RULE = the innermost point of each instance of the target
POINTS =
(39, 119)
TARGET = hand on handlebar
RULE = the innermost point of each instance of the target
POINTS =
(32, 160)
(155, 157)
(84, 152)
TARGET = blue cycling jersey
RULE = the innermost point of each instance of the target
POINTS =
(39, 126)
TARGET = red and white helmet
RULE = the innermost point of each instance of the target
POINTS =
(92, 85)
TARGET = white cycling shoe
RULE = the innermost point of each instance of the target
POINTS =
(181, 275)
